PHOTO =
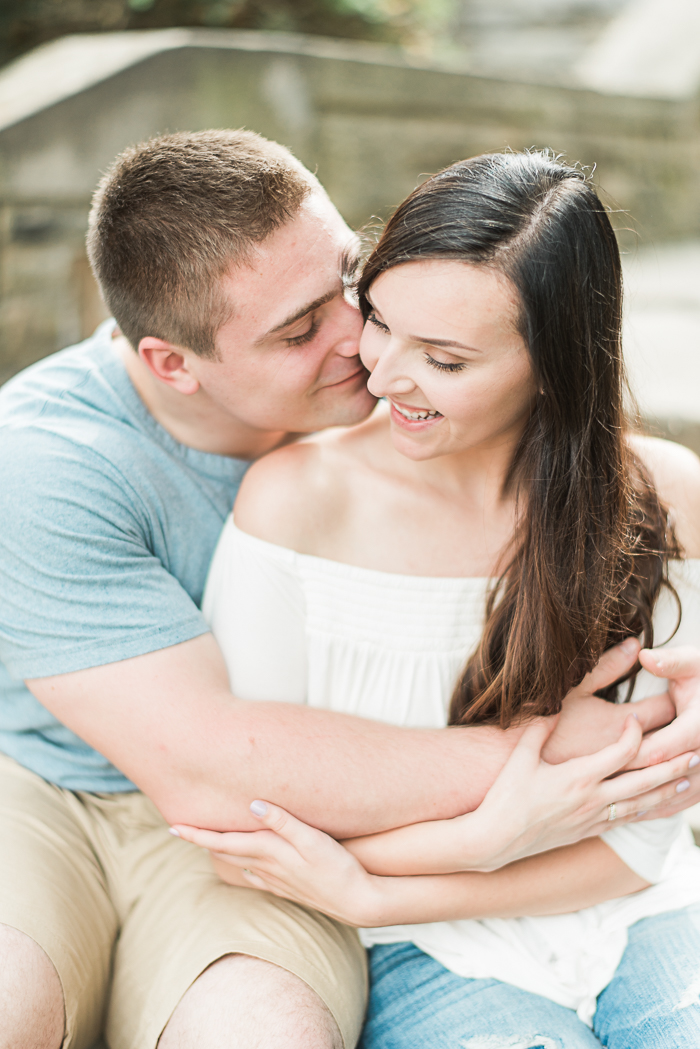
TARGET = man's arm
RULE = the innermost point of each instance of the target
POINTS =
(170, 723)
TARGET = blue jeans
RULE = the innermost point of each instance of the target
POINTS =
(652, 1002)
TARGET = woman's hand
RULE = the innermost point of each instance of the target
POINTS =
(293, 860)
(681, 666)
(541, 807)
(532, 807)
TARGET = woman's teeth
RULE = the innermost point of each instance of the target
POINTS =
(417, 414)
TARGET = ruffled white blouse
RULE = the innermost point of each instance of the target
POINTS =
(389, 647)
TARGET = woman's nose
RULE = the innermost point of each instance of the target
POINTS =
(387, 379)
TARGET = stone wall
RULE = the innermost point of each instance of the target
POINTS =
(368, 118)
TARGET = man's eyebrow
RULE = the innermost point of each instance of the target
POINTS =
(298, 314)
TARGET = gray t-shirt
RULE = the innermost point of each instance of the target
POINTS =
(107, 528)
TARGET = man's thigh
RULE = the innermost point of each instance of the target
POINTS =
(183, 919)
(415, 1002)
(653, 1000)
(52, 888)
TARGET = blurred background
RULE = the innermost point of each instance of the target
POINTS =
(374, 95)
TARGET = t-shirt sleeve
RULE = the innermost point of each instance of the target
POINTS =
(80, 584)
(644, 847)
(254, 601)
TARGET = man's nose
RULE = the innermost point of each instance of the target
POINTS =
(349, 330)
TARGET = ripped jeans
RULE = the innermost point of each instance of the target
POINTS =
(652, 1002)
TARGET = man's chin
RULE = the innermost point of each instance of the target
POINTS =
(347, 410)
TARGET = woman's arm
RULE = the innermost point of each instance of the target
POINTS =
(304, 865)
(557, 882)
(518, 815)
(301, 863)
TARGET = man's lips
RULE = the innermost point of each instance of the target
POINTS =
(348, 378)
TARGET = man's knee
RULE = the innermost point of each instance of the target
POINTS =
(247, 1003)
(31, 999)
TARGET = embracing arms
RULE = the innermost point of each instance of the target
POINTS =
(301, 864)
(169, 722)
(442, 871)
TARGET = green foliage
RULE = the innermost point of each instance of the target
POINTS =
(26, 23)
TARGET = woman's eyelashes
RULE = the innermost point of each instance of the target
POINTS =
(373, 319)
(442, 366)
(309, 334)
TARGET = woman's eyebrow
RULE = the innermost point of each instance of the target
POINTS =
(444, 343)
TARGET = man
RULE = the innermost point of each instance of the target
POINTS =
(220, 257)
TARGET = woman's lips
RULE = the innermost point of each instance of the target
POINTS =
(413, 424)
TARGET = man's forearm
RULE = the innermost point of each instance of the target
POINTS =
(168, 721)
(339, 773)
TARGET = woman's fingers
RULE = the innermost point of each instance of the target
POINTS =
(643, 806)
(282, 833)
(666, 794)
(639, 782)
(239, 847)
(527, 753)
(207, 839)
(303, 837)
(614, 757)
(254, 879)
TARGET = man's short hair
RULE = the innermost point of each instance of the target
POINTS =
(173, 214)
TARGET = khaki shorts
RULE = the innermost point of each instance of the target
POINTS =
(130, 916)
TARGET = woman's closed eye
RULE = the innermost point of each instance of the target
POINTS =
(374, 319)
(442, 366)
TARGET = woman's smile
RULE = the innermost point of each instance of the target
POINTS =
(443, 346)
(412, 418)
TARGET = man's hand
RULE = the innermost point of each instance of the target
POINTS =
(587, 724)
(681, 666)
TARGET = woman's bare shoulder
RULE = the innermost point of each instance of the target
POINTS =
(299, 492)
(675, 470)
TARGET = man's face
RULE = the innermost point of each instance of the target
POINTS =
(289, 354)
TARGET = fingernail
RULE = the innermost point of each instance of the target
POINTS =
(629, 646)
(175, 833)
(636, 717)
(695, 760)
(643, 812)
(259, 808)
(683, 785)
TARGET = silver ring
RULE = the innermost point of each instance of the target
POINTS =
(612, 811)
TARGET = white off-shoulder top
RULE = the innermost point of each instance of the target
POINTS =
(304, 629)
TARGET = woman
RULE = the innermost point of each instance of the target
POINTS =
(469, 554)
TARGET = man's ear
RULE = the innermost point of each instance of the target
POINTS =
(168, 363)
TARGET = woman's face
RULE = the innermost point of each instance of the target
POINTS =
(442, 343)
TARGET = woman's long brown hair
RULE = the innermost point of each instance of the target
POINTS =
(591, 549)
